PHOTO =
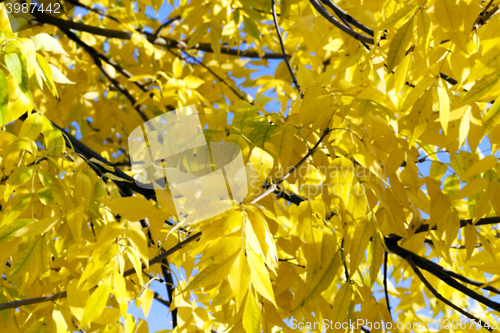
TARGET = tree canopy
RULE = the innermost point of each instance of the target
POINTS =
(370, 127)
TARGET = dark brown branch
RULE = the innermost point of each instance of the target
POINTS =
(444, 275)
(440, 297)
(64, 294)
(161, 299)
(278, 30)
(356, 35)
(167, 274)
(386, 255)
(347, 18)
(160, 41)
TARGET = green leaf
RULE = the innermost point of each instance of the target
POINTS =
(4, 97)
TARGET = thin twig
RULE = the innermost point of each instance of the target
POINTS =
(440, 297)
(386, 255)
(278, 30)
(214, 74)
(164, 25)
(95, 10)
(274, 186)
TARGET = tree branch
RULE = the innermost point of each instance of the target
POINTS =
(440, 297)
(356, 35)
(278, 30)
(160, 41)
(347, 18)
(161, 299)
(95, 10)
(386, 255)
(442, 274)
(167, 274)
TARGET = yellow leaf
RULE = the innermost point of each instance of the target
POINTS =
(251, 314)
(487, 163)
(75, 218)
(464, 127)
(399, 45)
(132, 208)
(38, 227)
(136, 235)
(120, 291)
(362, 234)
(104, 165)
(341, 303)
(96, 303)
(474, 187)
(61, 325)
(213, 273)
(260, 276)
(239, 278)
(449, 16)
(397, 16)
(32, 127)
(322, 273)
(418, 117)
(401, 73)
(83, 189)
(260, 166)
(444, 108)
(7, 232)
(146, 301)
(114, 177)
(470, 235)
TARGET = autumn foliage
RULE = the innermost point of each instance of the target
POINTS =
(372, 127)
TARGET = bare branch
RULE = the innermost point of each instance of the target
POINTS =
(278, 30)
(440, 297)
